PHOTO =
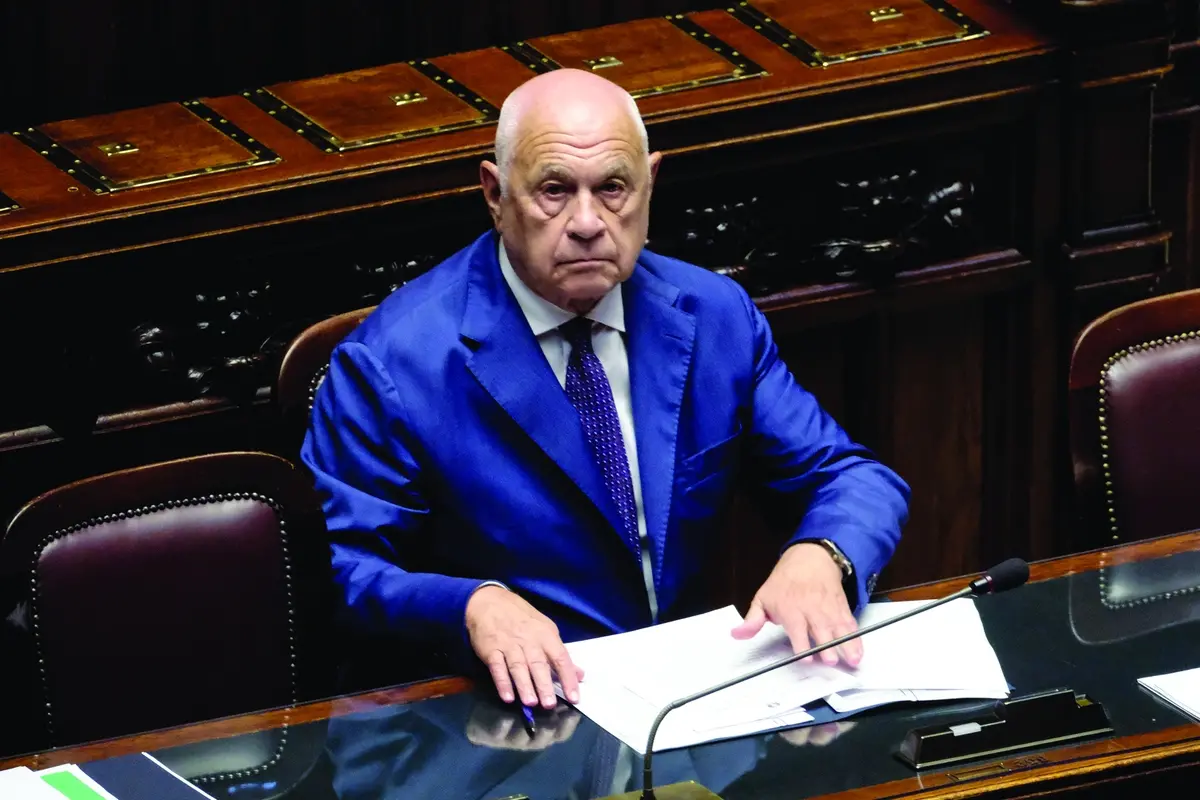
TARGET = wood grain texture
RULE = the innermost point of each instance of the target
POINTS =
(942, 462)
(848, 27)
(140, 54)
(639, 47)
(788, 79)
(1062, 566)
(358, 106)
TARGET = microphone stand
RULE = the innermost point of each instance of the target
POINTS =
(981, 585)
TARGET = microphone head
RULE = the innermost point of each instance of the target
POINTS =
(1004, 576)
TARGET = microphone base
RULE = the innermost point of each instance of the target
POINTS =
(688, 790)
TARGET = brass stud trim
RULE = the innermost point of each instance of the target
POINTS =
(99, 183)
(1110, 499)
(8, 204)
(772, 29)
(105, 519)
(328, 142)
(314, 384)
(741, 67)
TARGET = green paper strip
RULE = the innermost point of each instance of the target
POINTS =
(70, 787)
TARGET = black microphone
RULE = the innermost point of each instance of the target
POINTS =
(1004, 576)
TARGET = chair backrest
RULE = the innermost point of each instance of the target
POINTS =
(304, 366)
(1135, 421)
(166, 594)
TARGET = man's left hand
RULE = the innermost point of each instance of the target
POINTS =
(804, 595)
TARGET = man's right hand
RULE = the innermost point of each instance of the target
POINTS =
(521, 648)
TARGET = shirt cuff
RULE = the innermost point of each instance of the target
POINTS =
(489, 583)
(464, 637)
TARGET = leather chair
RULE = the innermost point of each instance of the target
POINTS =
(1135, 444)
(303, 368)
(165, 594)
(368, 661)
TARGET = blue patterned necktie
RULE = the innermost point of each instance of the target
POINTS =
(591, 394)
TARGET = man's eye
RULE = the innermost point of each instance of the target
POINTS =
(611, 187)
(554, 190)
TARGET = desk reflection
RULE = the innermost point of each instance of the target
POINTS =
(469, 747)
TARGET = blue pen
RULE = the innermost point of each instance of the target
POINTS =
(530, 728)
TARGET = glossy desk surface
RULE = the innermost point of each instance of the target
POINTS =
(1094, 622)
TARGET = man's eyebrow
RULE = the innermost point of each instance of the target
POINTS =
(552, 172)
(620, 168)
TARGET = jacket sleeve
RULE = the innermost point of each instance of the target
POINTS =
(842, 492)
(360, 452)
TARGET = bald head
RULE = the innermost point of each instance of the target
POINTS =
(570, 192)
(565, 98)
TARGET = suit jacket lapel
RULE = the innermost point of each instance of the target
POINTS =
(509, 364)
(660, 343)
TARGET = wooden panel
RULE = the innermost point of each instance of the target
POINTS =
(1176, 164)
(818, 360)
(648, 56)
(492, 72)
(54, 224)
(139, 54)
(862, 26)
(380, 104)
(146, 146)
(935, 441)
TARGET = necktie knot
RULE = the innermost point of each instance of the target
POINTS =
(578, 333)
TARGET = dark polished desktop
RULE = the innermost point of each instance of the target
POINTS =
(1069, 631)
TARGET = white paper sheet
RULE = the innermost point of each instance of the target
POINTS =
(863, 699)
(1181, 689)
(22, 783)
(945, 648)
(630, 677)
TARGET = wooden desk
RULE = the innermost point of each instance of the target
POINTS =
(1152, 743)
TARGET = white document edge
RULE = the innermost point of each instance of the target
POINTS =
(22, 783)
(179, 777)
(83, 776)
(1154, 684)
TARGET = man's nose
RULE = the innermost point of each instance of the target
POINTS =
(585, 222)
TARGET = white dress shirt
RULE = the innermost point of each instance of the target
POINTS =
(608, 328)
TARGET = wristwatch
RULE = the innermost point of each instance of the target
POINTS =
(836, 554)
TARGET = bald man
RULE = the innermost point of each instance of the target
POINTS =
(534, 442)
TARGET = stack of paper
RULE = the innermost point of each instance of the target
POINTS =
(942, 654)
(1181, 689)
(139, 775)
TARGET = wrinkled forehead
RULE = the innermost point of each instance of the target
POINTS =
(577, 136)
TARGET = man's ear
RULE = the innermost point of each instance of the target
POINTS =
(489, 179)
(655, 160)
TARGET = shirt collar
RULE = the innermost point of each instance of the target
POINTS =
(543, 316)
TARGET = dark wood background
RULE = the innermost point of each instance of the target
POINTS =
(1047, 206)
(62, 61)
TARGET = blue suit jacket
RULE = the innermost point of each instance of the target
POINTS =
(446, 453)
